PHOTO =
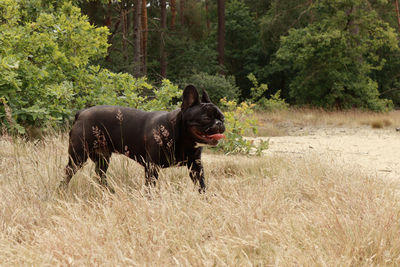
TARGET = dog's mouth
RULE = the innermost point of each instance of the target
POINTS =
(209, 139)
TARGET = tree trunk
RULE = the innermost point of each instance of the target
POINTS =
(108, 22)
(107, 18)
(182, 11)
(351, 26)
(173, 14)
(144, 37)
(221, 31)
(207, 16)
(163, 56)
(124, 31)
(396, 4)
(92, 8)
(137, 72)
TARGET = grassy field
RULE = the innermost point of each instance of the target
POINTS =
(262, 211)
(278, 123)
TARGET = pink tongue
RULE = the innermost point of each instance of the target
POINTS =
(216, 136)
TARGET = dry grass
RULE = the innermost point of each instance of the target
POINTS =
(381, 123)
(278, 123)
(257, 211)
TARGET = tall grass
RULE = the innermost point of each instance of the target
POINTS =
(278, 211)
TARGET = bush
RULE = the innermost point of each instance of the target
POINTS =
(217, 86)
(93, 86)
(332, 65)
(163, 97)
(258, 92)
(45, 71)
(42, 55)
(238, 120)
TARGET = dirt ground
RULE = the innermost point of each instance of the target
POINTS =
(375, 151)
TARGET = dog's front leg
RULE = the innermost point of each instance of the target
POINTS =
(151, 174)
(196, 173)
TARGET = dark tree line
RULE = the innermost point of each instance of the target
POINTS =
(239, 37)
(128, 21)
(59, 56)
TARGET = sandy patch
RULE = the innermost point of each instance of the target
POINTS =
(377, 151)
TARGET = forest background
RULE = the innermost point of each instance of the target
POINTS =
(60, 56)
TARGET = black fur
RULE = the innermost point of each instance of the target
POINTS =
(154, 139)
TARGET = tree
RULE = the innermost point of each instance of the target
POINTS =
(396, 4)
(221, 32)
(163, 31)
(192, 47)
(182, 11)
(252, 33)
(242, 45)
(137, 56)
(124, 26)
(43, 55)
(206, 4)
(333, 57)
(279, 18)
(144, 37)
(173, 14)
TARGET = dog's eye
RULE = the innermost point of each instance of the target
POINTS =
(219, 116)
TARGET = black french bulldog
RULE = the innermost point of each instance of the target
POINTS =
(154, 139)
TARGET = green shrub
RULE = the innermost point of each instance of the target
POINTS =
(45, 71)
(103, 87)
(239, 119)
(163, 97)
(42, 54)
(257, 93)
(217, 86)
(331, 65)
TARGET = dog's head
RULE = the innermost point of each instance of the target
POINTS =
(204, 120)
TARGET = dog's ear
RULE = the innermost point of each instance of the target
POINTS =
(205, 98)
(190, 97)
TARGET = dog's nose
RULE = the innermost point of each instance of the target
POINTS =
(220, 125)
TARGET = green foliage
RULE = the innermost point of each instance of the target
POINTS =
(280, 17)
(163, 97)
(242, 46)
(190, 47)
(45, 71)
(355, 30)
(41, 57)
(103, 87)
(239, 120)
(333, 54)
(257, 94)
(333, 58)
(187, 57)
(388, 78)
(276, 22)
(97, 86)
(9, 122)
(217, 86)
